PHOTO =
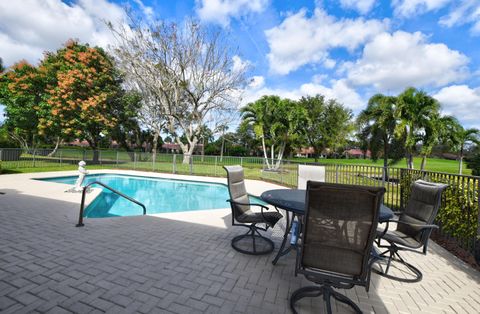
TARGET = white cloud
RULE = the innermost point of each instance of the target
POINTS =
(30, 27)
(300, 39)
(466, 13)
(408, 8)
(221, 11)
(362, 6)
(391, 62)
(459, 100)
(338, 90)
(257, 82)
(146, 10)
(239, 65)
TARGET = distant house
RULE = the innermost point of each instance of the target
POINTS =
(175, 148)
(78, 143)
(310, 152)
(357, 153)
(305, 152)
(84, 143)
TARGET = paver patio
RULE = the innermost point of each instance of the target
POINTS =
(179, 263)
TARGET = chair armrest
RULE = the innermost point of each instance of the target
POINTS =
(262, 207)
(248, 204)
(415, 225)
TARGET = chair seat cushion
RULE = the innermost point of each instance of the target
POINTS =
(271, 218)
(399, 237)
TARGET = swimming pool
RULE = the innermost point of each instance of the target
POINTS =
(157, 194)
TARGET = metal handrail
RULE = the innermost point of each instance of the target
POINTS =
(82, 204)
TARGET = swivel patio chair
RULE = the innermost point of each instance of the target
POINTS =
(414, 226)
(251, 242)
(340, 224)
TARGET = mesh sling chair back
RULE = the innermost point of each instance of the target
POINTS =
(340, 224)
(251, 242)
(414, 226)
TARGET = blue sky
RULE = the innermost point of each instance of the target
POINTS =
(344, 49)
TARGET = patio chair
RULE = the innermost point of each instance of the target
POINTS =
(414, 226)
(340, 224)
(251, 242)
(308, 172)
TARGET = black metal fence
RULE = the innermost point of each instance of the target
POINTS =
(458, 217)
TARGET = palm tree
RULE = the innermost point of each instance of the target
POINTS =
(417, 113)
(458, 138)
(377, 126)
(222, 128)
(271, 118)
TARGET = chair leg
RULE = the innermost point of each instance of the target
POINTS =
(255, 238)
(394, 256)
(327, 292)
(310, 291)
(341, 298)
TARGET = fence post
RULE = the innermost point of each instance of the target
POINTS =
(116, 159)
(61, 161)
(476, 242)
(401, 189)
(281, 172)
(384, 175)
(336, 173)
(215, 168)
(241, 161)
(174, 163)
(83, 155)
(134, 160)
(34, 151)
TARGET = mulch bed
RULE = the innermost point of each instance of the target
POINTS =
(453, 246)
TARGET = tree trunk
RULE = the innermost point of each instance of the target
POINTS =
(23, 142)
(280, 155)
(272, 155)
(188, 154)
(409, 159)
(265, 152)
(460, 164)
(155, 145)
(424, 162)
(385, 162)
(94, 146)
(222, 148)
(54, 151)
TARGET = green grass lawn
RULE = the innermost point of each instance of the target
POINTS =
(433, 164)
(208, 165)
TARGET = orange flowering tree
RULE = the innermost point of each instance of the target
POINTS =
(21, 91)
(82, 93)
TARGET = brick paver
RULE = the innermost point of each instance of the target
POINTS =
(157, 265)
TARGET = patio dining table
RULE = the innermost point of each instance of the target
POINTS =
(293, 202)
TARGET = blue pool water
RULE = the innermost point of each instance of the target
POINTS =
(158, 195)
